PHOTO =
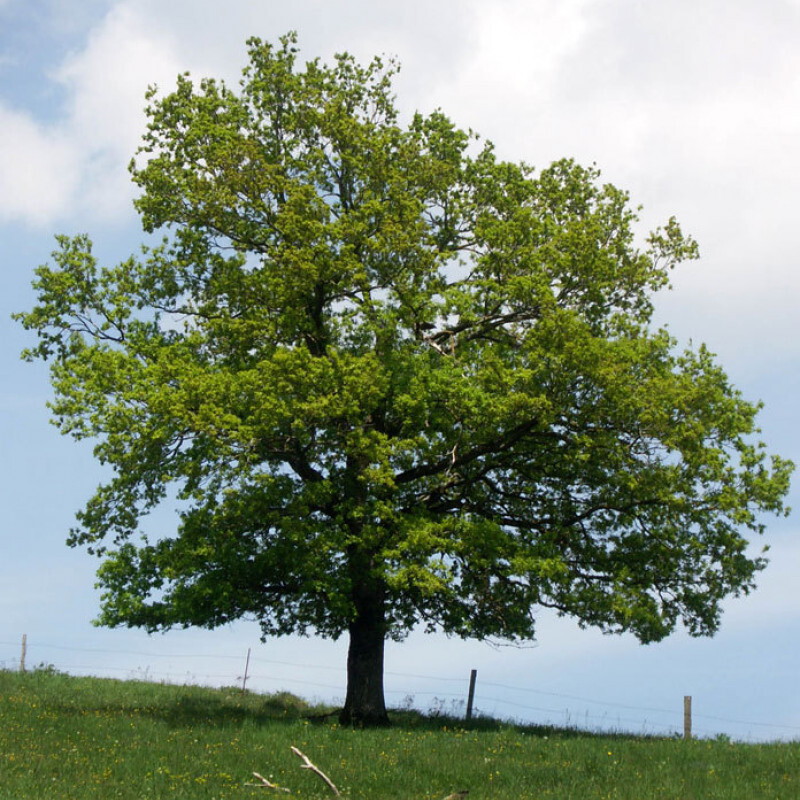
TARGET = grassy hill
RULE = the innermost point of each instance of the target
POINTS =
(85, 738)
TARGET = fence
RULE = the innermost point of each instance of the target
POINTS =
(477, 695)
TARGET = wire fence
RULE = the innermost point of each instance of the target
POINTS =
(403, 690)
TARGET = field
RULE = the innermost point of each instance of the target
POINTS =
(85, 738)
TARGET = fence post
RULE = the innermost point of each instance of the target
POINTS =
(246, 667)
(24, 649)
(471, 696)
(687, 717)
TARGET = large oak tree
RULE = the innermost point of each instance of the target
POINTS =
(394, 381)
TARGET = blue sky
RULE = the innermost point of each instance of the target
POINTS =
(692, 107)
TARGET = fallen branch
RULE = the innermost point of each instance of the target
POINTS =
(315, 769)
(265, 784)
(307, 764)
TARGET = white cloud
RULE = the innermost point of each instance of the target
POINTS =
(692, 108)
(38, 169)
(106, 83)
(76, 166)
(518, 49)
(108, 79)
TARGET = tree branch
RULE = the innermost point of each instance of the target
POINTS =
(316, 770)
(450, 463)
(265, 784)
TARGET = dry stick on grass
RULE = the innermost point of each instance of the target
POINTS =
(265, 784)
(308, 765)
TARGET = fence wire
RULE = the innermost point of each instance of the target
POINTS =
(483, 701)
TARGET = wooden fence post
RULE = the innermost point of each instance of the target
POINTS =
(471, 696)
(687, 717)
(24, 649)
(246, 667)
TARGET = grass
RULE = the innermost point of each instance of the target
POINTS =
(86, 738)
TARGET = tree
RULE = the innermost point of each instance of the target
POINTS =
(394, 381)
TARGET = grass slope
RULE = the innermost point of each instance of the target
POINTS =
(85, 738)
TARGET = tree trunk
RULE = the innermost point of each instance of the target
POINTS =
(365, 704)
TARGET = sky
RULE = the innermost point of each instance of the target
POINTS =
(693, 106)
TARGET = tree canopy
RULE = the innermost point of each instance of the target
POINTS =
(394, 380)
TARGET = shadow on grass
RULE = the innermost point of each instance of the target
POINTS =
(188, 705)
(419, 720)
(225, 707)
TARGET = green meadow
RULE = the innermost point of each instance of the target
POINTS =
(85, 738)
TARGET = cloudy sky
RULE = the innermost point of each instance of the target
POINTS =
(691, 105)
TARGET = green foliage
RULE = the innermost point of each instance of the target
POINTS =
(63, 737)
(384, 369)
